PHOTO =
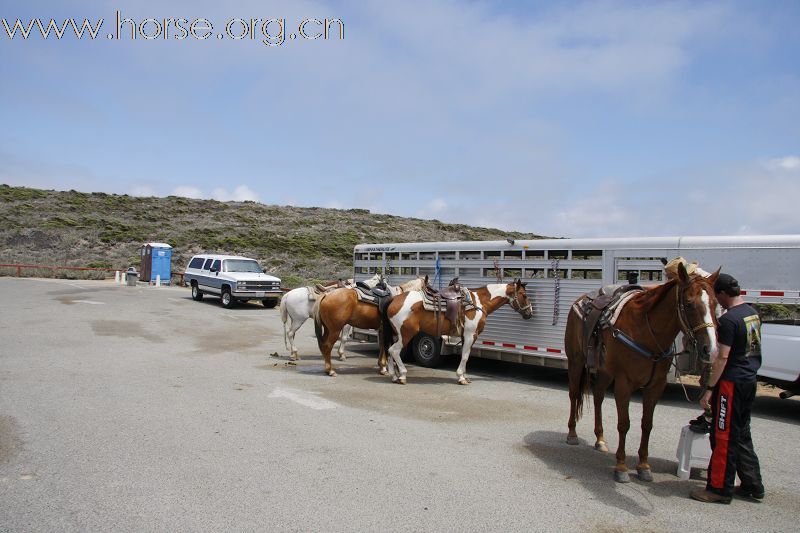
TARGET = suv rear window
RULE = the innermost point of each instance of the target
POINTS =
(197, 262)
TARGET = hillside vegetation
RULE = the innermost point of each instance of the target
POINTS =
(297, 244)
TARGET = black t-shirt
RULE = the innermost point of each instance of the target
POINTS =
(740, 328)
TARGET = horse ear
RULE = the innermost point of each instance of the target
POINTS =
(713, 277)
(664, 261)
(683, 275)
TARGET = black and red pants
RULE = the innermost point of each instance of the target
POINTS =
(732, 449)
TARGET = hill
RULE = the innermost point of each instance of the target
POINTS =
(298, 244)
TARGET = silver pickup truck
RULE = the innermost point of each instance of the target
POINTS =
(233, 279)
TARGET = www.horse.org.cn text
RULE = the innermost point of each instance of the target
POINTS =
(268, 31)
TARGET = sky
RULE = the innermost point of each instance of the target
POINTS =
(567, 119)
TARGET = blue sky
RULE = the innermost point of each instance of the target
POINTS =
(575, 119)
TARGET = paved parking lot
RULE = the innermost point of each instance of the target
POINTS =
(134, 409)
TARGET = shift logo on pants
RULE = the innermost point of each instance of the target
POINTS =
(723, 412)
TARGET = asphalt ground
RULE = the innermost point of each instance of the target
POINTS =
(139, 409)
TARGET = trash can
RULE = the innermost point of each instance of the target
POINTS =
(131, 276)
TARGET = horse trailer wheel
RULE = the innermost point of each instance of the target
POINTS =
(226, 298)
(427, 350)
(270, 303)
(197, 294)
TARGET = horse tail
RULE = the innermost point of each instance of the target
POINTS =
(319, 326)
(284, 318)
(386, 324)
(583, 386)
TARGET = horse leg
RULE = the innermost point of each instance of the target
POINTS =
(398, 368)
(577, 374)
(469, 340)
(347, 330)
(602, 379)
(649, 400)
(622, 394)
(295, 325)
(331, 336)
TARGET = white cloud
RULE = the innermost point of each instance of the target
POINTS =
(786, 163)
(241, 193)
(187, 191)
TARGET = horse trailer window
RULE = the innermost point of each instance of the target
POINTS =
(469, 256)
(447, 256)
(513, 255)
(650, 275)
(534, 273)
(362, 256)
(465, 272)
(512, 272)
(587, 255)
(586, 274)
(492, 254)
(492, 273)
(557, 254)
(427, 256)
(408, 256)
(622, 275)
(394, 256)
(446, 274)
(427, 271)
(375, 256)
(408, 271)
(534, 254)
(562, 273)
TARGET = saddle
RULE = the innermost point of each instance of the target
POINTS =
(322, 288)
(372, 295)
(452, 300)
(599, 310)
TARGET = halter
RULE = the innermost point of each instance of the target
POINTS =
(686, 328)
(514, 301)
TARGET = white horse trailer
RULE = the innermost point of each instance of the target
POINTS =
(558, 271)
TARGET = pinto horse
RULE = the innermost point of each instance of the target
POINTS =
(297, 306)
(341, 307)
(408, 317)
(638, 355)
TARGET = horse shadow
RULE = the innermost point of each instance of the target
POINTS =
(584, 465)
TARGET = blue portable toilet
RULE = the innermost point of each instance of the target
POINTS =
(156, 261)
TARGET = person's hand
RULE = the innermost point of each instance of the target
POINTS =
(705, 400)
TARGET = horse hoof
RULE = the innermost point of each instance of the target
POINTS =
(600, 446)
(294, 357)
(645, 474)
(383, 372)
(332, 374)
(621, 477)
(572, 441)
(342, 357)
(401, 380)
(464, 381)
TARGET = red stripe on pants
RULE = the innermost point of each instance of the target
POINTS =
(722, 433)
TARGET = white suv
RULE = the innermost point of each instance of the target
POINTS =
(232, 278)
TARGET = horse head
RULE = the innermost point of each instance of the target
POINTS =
(697, 311)
(518, 298)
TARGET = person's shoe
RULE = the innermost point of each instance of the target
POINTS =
(703, 495)
(749, 492)
(700, 424)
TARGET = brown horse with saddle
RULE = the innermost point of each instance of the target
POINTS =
(630, 343)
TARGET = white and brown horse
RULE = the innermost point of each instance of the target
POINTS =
(638, 354)
(297, 306)
(341, 307)
(408, 317)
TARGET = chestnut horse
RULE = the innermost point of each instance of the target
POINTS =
(340, 307)
(408, 317)
(638, 354)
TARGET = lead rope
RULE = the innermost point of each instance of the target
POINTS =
(497, 271)
(556, 290)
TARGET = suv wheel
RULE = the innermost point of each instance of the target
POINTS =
(270, 303)
(197, 294)
(226, 298)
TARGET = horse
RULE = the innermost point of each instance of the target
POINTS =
(636, 356)
(340, 307)
(408, 317)
(297, 306)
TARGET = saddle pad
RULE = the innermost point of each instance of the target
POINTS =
(429, 305)
(616, 307)
(366, 297)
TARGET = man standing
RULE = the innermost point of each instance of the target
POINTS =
(730, 393)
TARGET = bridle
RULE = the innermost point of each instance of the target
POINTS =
(683, 319)
(515, 305)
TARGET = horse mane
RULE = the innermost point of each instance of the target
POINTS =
(653, 296)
